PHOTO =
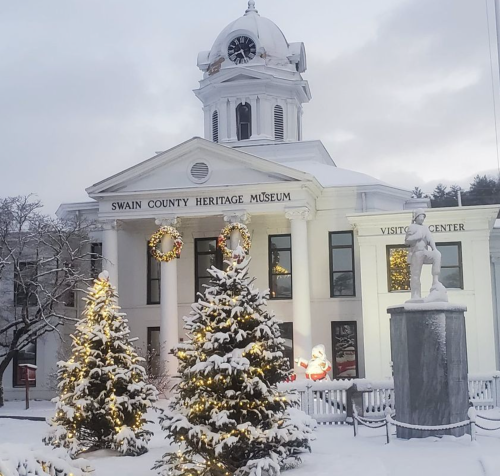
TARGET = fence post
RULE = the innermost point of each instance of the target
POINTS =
(309, 399)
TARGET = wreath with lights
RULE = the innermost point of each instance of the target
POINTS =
(226, 234)
(175, 252)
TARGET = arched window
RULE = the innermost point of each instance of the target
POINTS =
(215, 127)
(279, 133)
(244, 121)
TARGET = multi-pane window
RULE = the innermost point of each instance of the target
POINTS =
(341, 264)
(95, 259)
(25, 283)
(153, 278)
(24, 356)
(451, 265)
(154, 351)
(286, 329)
(398, 268)
(280, 266)
(207, 254)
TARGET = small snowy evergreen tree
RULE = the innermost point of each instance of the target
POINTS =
(102, 391)
(228, 417)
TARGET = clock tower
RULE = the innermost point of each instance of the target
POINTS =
(252, 88)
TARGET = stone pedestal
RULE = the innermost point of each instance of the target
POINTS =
(429, 355)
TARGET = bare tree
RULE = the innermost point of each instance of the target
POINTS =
(42, 265)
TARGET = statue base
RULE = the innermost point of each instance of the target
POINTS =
(429, 354)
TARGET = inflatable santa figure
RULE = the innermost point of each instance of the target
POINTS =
(318, 367)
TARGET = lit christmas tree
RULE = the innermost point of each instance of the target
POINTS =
(228, 418)
(102, 391)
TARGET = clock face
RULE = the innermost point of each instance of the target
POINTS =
(241, 50)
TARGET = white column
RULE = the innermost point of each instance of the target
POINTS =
(110, 249)
(232, 120)
(302, 339)
(223, 126)
(208, 123)
(239, 216)
(169, 322)
(254, 118)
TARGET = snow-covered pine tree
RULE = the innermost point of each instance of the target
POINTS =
(228, 417)
(102, 391)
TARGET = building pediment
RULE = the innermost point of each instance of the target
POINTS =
(197, 164)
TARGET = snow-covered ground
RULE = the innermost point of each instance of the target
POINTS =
(335, 451)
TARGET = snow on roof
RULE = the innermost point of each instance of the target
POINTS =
(330, 176)
(266, 32)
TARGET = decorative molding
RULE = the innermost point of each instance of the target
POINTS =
(239, 216)
(107, 225)
(299, 213)
(169, 220)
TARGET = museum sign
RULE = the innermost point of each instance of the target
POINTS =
(162, 203)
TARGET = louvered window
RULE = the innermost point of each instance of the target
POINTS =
(199, 172)
(278, 123)
(215, 127)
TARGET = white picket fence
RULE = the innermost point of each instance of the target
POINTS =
(326, 401)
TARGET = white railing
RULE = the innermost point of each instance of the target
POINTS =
(326, 401)
(379, 399)
(484, 390)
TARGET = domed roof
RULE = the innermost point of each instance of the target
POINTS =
(269, 39)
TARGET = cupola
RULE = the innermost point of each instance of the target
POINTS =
(252, 88)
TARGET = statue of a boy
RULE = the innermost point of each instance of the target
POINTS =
(423, 251)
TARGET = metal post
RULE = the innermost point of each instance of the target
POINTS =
(472, 431)
(27, 383)
(387, 433)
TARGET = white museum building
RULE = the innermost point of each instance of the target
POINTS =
(328, 242)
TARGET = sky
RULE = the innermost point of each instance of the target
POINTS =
(402, 89)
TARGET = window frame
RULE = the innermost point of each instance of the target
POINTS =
(15, 364)
(149, 258)
(215, 126)
(460, 260)
(149, 350)
(239, 122)
(282, 325)
(95, 258)
(219, 261)
(334, 353)
(330, 254)
(279, 129)
(441, 243)
(388, 267)
(26, 300)
(270, 266)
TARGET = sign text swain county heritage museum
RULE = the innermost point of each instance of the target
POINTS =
(263, 197)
